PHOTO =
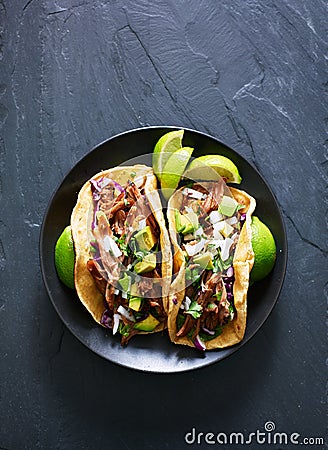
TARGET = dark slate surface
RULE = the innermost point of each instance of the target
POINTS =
(73, 73)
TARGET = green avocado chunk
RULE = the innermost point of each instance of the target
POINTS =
(204, 260)
(145, 239)
(148, 324)
(186, 223)
(125, 282)
(135, 303)
(147, 264)
(134, 290)
(228, 206)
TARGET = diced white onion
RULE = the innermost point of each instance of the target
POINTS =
(233, 237)
(187, 303)
(232, 220)
(124, 295)
(142, 224)
(216, 242)
(105, 182)
(199, 232)
(215, 216)
(225, 248)
(193, 193)
(125, 313)
(195, 248)
(110, 244)
(217, 228)
(116, 322)
(116, 292)
(106, 243)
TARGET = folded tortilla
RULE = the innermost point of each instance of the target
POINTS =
(243, 260)
(81, 223)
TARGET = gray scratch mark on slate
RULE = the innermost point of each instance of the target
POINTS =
(59, 347)
(158, 72)
(27, 5)
(304, 239)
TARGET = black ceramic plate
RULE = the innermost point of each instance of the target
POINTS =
(154, 353)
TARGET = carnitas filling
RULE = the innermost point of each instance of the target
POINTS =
(208, 224)
(125, 257)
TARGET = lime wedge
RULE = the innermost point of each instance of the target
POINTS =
(165, 146)
(207, 167)
(174, 169)
(264, 248)
(65, 257)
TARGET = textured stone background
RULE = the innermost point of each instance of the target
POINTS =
(73, 73)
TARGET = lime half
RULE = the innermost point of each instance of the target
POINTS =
(165, 146)
(173, 170)
(65, 257)
(264, 248)
(207, 167)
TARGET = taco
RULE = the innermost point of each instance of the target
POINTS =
(123, 257)
(210, 229)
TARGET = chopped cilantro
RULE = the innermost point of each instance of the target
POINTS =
(93, 247)
(219, 265)
(195, 310)
(140, 254)
(227, 263)
(133, 174)
(218, 296)
(122, 245)
(123, 329)
(192, 275)
(211, 306)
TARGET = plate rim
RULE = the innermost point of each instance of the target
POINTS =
(200, 362)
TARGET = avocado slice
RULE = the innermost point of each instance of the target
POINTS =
(148, 324)
(186, 223)
(228, 206)
(178, 225)
(125, 282)
(145, 239)
(204, 260)
(135, 303)
(147, 264)
(134, 290)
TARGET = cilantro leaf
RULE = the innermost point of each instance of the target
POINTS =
(218, 296)
(124, 330)
(122, 245)
(195, 310)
